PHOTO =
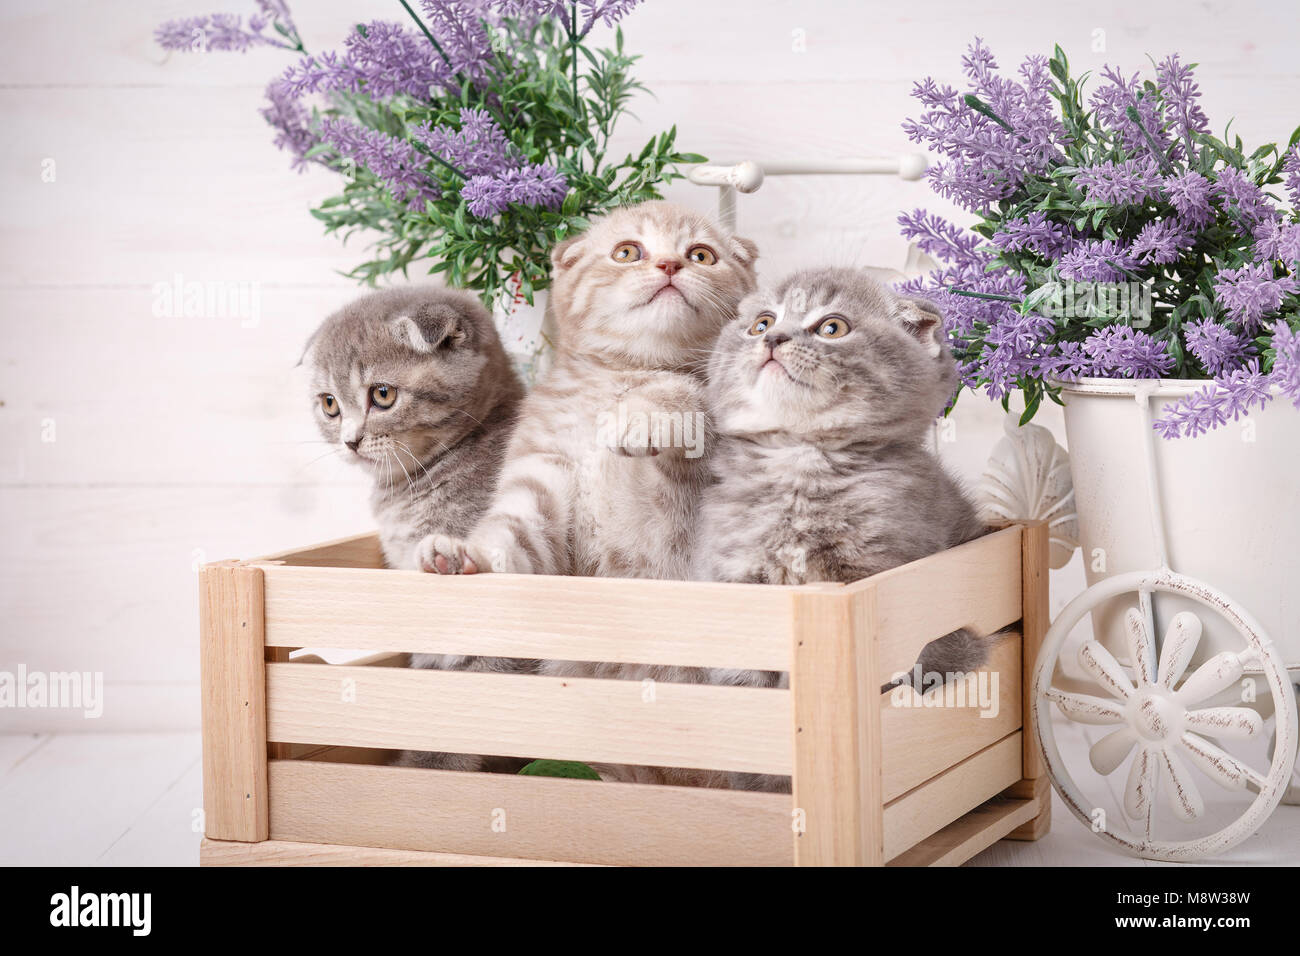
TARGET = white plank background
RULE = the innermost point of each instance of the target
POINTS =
(180, 439)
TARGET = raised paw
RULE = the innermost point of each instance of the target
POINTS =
(441, 554)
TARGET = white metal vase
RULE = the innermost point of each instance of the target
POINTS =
(1192, 552)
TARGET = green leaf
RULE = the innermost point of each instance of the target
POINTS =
(559, 768)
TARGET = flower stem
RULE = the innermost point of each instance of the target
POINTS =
(428, 33)
(979, 106)
(983, 295)
(1132, 113)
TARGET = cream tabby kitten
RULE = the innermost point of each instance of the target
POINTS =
(605, 467)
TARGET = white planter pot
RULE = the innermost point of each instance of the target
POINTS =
(1231, 503)
(526, 331)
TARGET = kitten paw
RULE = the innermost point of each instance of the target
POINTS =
(441, 554)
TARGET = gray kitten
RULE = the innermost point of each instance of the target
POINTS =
(822, 392)
(415, 387)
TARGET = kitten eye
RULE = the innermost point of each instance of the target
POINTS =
(833, 328)
(762, 324)
(626, 252)
(329, 405)
(703, 255)
(382, 396)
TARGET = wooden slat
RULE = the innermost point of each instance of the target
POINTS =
(975, 585)
(974, 832)
(544, 818)
(356, 551)
(1037, 619)
(933, 805)
(837, 788)
(282, 853)
(532, 616)
(565, 718)
(1039, 792)
(233, 686)
(919, 741)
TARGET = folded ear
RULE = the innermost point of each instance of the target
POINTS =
(923, 320)
(431, 327)
(568, 252)
(743, 249)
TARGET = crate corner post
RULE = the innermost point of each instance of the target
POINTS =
(837, 791)
(1035, 546)
(233, 687)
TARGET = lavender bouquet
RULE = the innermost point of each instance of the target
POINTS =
(1120, 239)
(472, 134)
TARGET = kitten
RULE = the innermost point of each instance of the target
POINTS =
(822, 393)
(605, 469)
(415, 387)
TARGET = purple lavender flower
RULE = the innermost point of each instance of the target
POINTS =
(395, 162)
(387, 60)
(291, 122)
(1232, 395)
(1276, 240)
(1128, 183)
(1124, 352)
(1115, 97)
(1249, 293)
(1161, 242)
(1180, 93)
(987, 159)
(1286, 361)
(1243, 198)
(459, 28)
(479, 147)
(532, 185)
(937, 237)
(1216, 346)
(1189, 194)
(1034, 232)
(1096, 260)
(1291, 165)
(218, 31)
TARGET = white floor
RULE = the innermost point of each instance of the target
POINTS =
(134, 799)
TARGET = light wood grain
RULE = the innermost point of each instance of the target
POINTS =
(282, 853)
(932, 806)
(354, 551)
(1039, 793)
(975, 831)
(609, 721)
(234, 703)
(531, 616)
(837, 786)
(975, 585)
(545, 818)
(919, 742)
(1037, 619)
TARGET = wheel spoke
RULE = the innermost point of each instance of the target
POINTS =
(1210, 678)
(1141, 648)
(1086, 709)
(1183, 796)
(1181, 640)
(1141, 786)
(1225, 721)
(1219, 765)
(1102, 667)
(1108, 753)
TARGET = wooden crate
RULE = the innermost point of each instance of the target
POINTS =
(294, 751)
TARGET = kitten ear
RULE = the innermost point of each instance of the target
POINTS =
(432, 327)
(923, 320)
(746, 250)
(567, 253)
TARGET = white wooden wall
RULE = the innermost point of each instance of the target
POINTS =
(133, 445)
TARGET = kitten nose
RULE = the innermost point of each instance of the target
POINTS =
(773, 339)
(354, 444)
(669, 266)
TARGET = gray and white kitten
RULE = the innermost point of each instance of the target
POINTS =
(822, 393)
(415, 387)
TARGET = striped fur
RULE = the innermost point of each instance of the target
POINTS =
(822, 473)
